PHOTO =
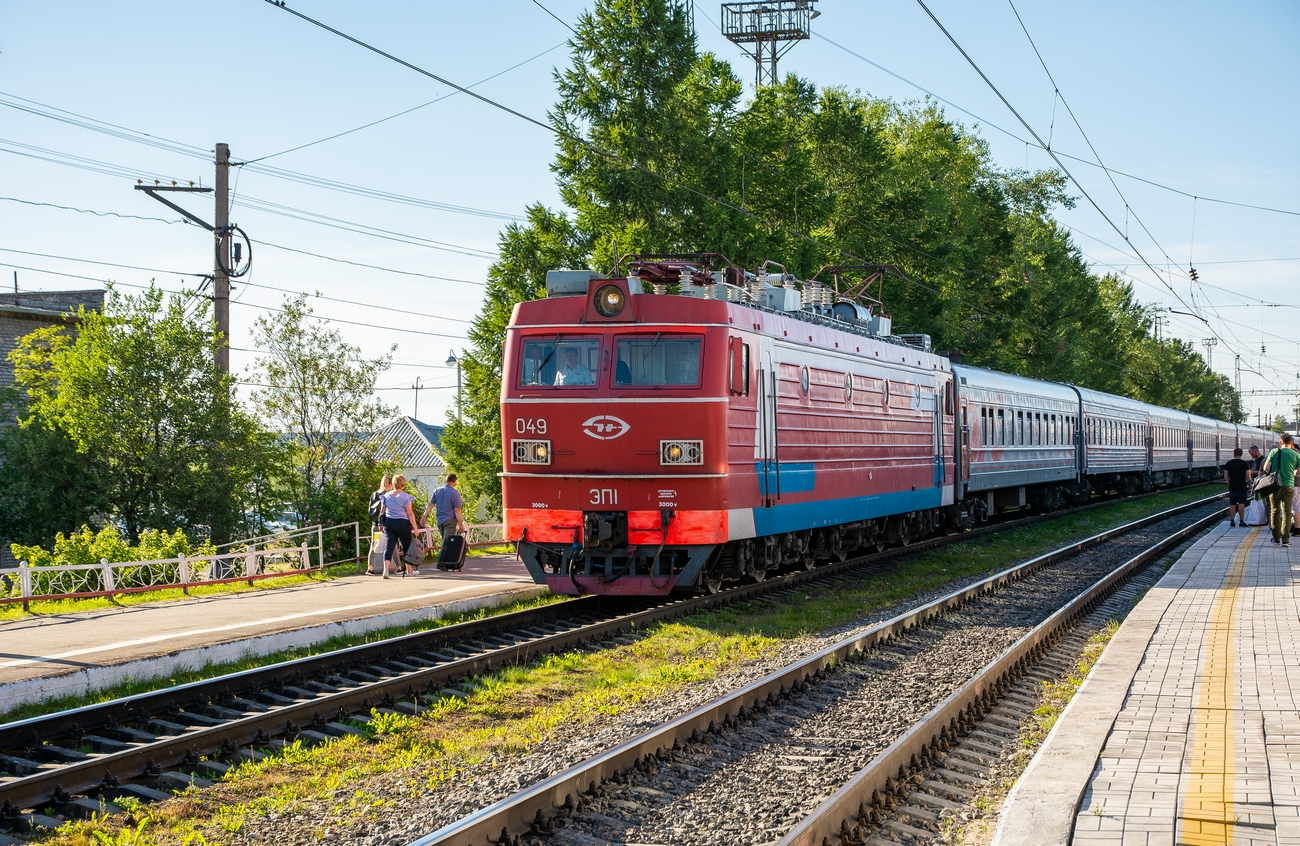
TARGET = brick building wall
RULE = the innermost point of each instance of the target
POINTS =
(26, 311)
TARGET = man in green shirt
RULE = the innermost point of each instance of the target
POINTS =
(1283, 461)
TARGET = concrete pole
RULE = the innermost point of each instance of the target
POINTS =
(220, 281)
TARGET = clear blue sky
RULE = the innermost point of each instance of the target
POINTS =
(1198, 96)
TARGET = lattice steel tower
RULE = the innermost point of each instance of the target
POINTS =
(767, 31)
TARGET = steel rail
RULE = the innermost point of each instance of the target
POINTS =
(18, 733)
(313, 716)
(875, 783)
(531, 809)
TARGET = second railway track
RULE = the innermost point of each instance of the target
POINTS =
(855, 722)
(144, 747)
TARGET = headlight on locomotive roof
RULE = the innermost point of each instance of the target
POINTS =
(530, 452)
(673, 453)
(610, 300)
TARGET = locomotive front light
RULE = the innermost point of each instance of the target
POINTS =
(530, 452)
(681, 452)
(610, 300)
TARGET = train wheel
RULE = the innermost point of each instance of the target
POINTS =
(759, 575)
(809, 561)
(713, 583)
(878, 543)
(904, 537)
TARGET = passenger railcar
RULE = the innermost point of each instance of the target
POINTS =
(1115, 441)
(1203, 443)
(748, 422)
(1022, 441)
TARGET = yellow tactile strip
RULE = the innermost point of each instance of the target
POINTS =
(1207, 815)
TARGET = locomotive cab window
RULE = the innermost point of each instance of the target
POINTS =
(657, 361)
(560, 361)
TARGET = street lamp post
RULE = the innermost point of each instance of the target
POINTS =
(452, 361)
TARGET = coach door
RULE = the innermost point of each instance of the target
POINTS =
(936, 421)
(767, 447)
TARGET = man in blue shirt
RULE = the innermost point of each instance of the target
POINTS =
(447, 503)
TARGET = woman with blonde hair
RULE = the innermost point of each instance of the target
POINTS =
(399, 522)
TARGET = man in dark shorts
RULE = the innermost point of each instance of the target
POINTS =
(1235, 473)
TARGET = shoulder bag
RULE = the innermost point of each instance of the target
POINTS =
(1267, 483)
(414, 554)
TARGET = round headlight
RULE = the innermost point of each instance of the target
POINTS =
(610, 300)
(675, 452)
(539, 452)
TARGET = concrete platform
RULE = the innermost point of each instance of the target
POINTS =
(1187, 731)
(65, 654)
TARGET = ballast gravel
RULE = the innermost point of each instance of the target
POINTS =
(751, 783)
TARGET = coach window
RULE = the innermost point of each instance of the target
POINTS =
(657, 361)
(559, 361)
(1002, 428)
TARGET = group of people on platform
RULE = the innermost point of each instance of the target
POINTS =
(392, 512)
(1280, 503)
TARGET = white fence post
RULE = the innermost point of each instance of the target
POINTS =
(250, 565)
(320, 545)
(185, 575)
(304, 556)
(25, 582)
(108, 575)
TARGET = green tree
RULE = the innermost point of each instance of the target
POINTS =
(472, 448)
(137, 390)
(317, 393)
(1279, 424)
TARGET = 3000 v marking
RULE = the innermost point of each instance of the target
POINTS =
(529, 426)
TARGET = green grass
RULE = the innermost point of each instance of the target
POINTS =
(514, 709)
(134, 687)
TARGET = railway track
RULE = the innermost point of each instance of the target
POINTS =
(862, 722)
(77, 762)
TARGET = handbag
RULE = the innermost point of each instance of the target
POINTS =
(1265, 485)
(1256, 514)
(414, 554)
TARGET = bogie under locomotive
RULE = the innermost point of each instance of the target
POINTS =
(656, 442)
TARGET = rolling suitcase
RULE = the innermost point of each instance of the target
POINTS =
(452, 556)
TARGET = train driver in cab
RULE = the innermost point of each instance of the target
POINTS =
(573, 372)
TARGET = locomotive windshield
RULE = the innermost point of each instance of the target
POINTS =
(657, 361)
(562, 361)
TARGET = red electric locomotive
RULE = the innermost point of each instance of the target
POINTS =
(656, 441)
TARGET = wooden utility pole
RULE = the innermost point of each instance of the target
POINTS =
(220, 276)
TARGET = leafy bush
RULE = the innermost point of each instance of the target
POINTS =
(88, 547)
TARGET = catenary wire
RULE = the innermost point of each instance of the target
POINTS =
(1023, 140)
(246, 284)
(405, 111)
(1061, 165)
(361, 264)
(313, 316)
(566, 134)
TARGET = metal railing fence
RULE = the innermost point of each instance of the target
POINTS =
(296, 552)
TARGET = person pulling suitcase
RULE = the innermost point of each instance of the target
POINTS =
(449, 512)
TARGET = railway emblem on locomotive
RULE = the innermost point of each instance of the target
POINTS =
(605, 427)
